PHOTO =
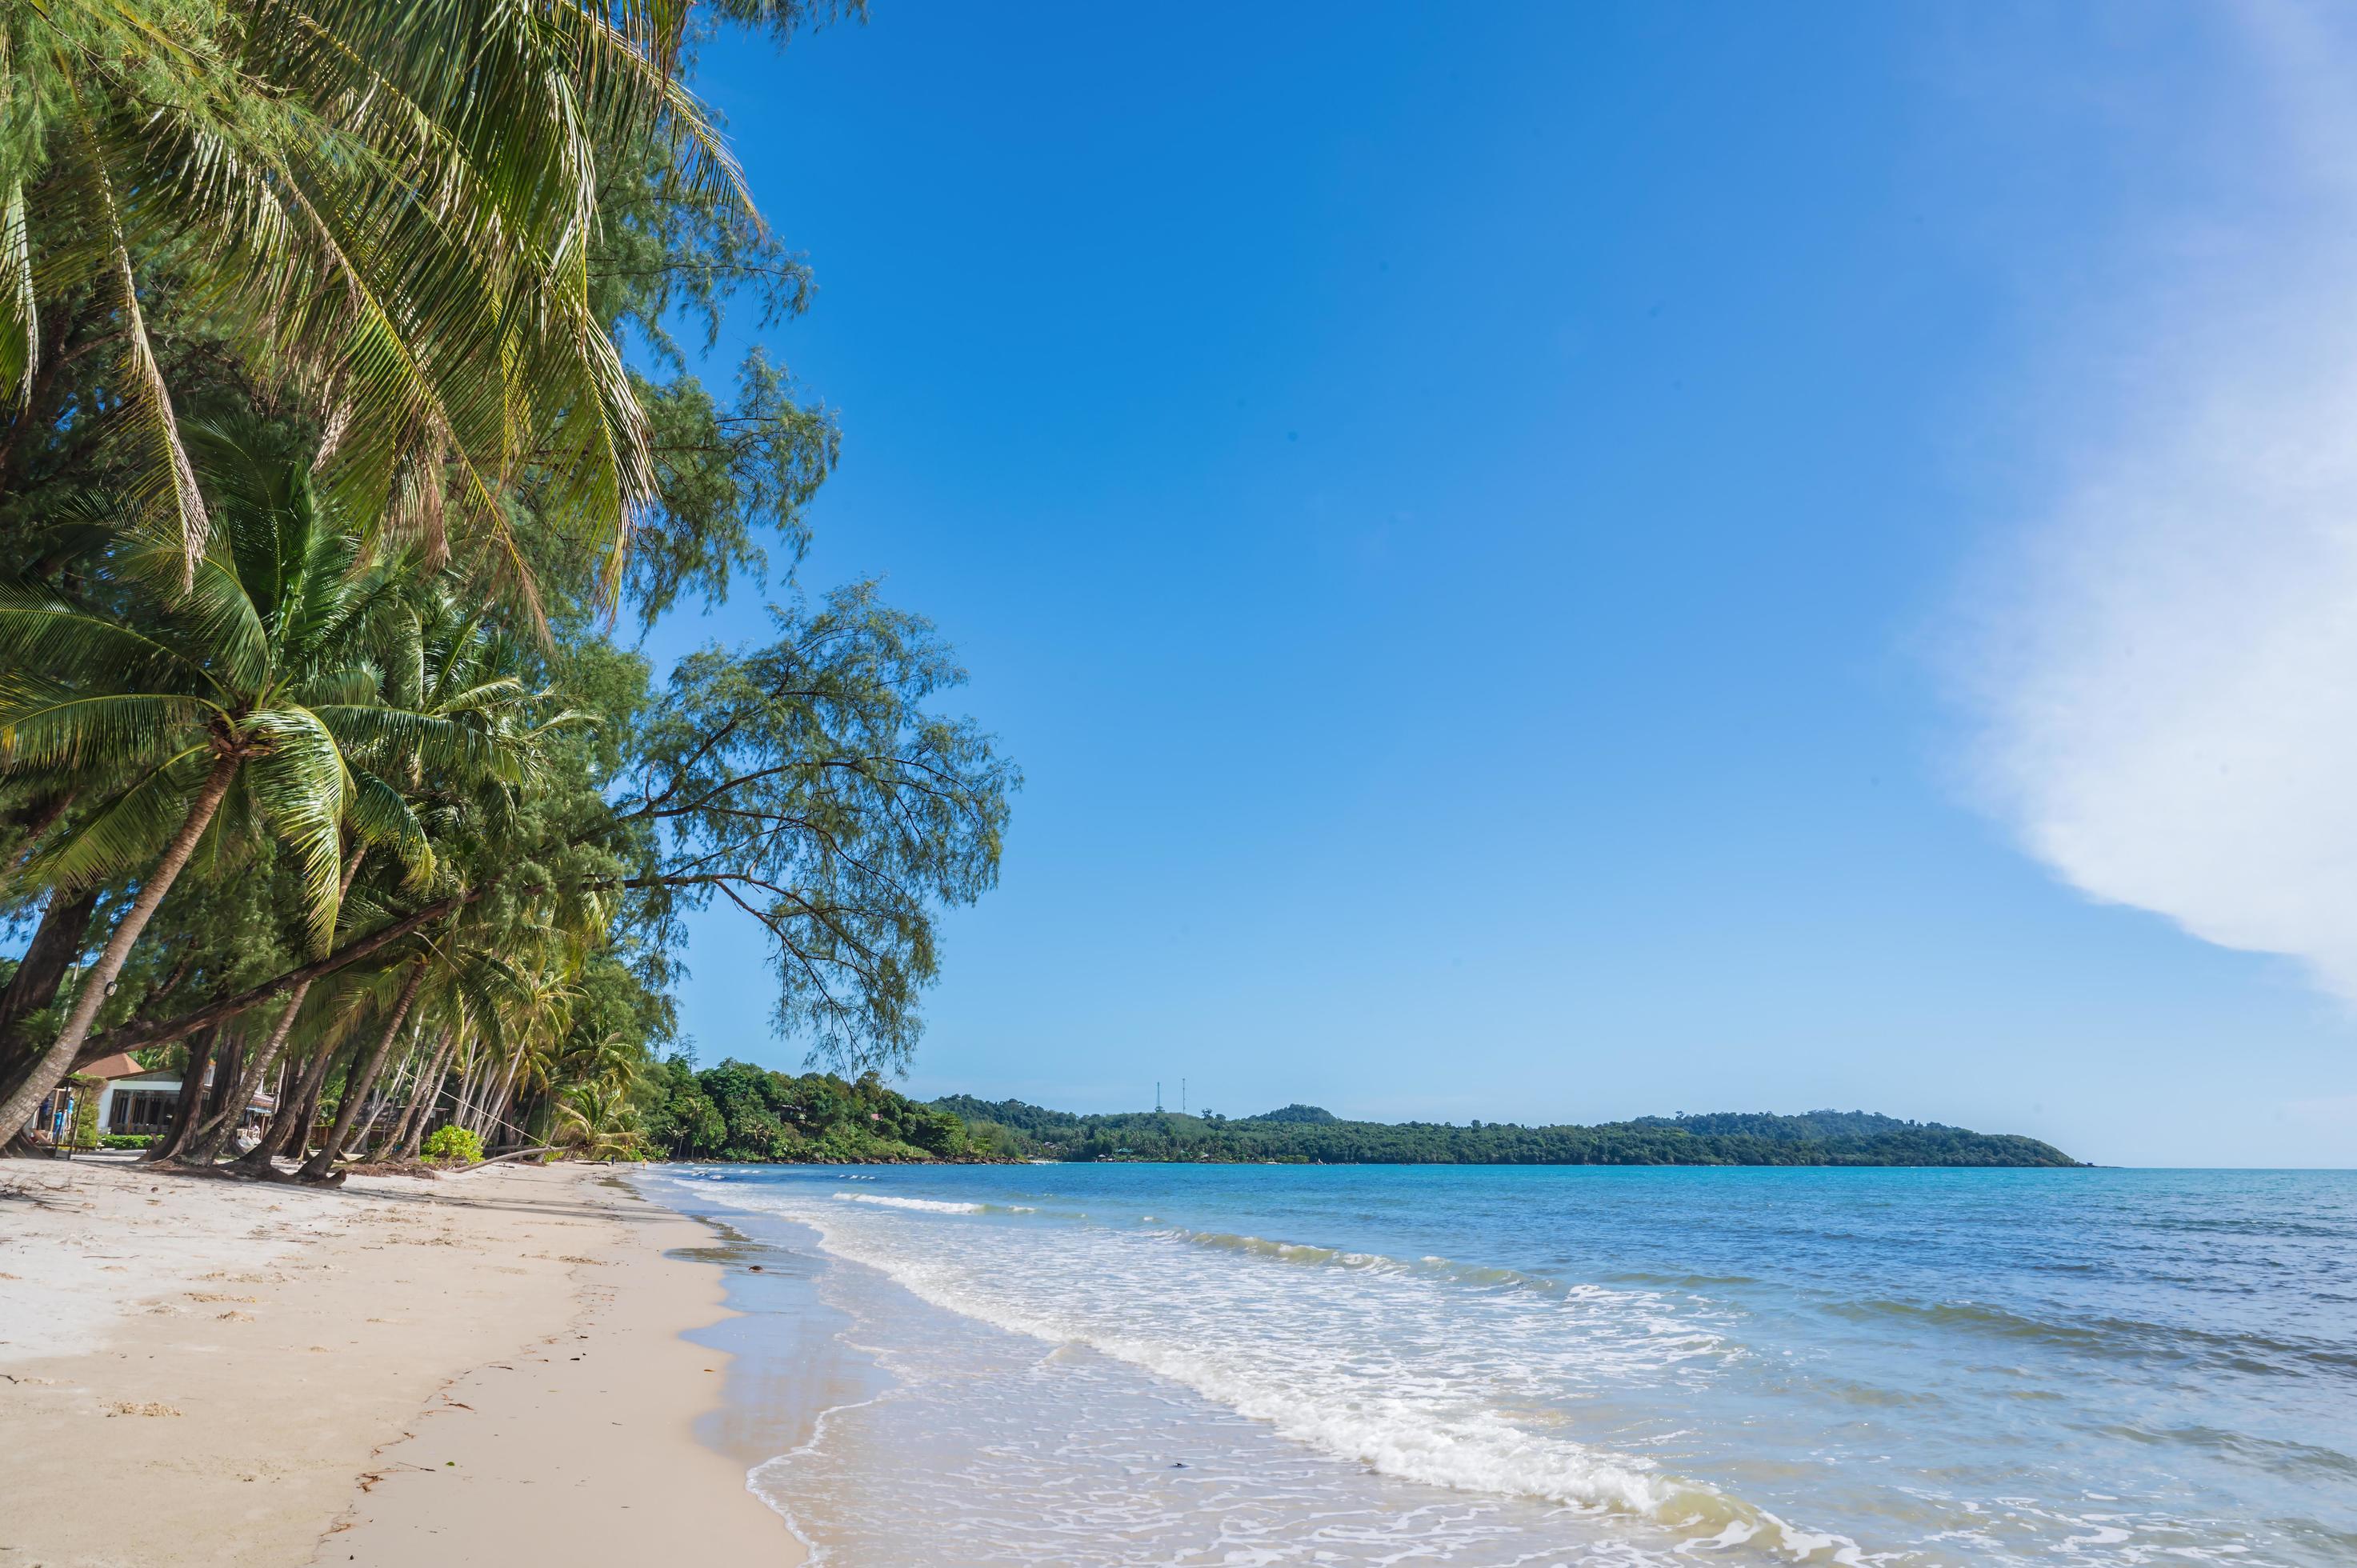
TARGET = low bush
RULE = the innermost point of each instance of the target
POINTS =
(125, 1140)
(453, 1145)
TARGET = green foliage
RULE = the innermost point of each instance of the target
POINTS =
(453, 1145)
(84, 1132)
(1303, 1135)
(125, 1140)
(739, 1111)
(682, 1121)
(382, 213)
(331, 299)
(994, 1140)
(810, 784)
(155, 674)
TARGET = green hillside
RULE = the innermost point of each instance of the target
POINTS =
(1305, 1133)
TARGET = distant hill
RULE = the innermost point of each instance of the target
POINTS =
(1305, 1134)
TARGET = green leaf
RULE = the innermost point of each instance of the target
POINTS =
(299, 781)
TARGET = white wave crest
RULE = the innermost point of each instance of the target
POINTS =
(927, 1205)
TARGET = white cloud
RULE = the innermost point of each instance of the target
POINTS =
(2166, 667)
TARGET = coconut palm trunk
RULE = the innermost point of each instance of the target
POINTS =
(295, 1111)
(58, 1058)
(323, 1164)
(385, 1100)
(297, 1144)
(56, 942)
(496, 1116)
(187, 1108)
(411, 1135)
(480, 1107)
(229, 1071)
(224, 1072)
(462, 1106)
(214, 1136)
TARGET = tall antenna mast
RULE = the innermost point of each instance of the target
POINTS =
(1182, 1097)
(1157, 1096)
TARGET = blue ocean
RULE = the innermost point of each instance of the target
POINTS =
(1151, 1364)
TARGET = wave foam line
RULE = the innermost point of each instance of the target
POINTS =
(1303, 1254)
(1483, 1453)
(926, 1205)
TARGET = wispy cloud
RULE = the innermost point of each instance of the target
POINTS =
(2166, 663)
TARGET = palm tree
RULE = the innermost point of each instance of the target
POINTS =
(334, 1013)
(235, 695)
(321, 1165)
(599, 1120)
(440, 661)
(391, 207)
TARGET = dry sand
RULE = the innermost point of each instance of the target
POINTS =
(485, 1370)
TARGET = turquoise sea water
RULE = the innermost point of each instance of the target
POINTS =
(1165, 1364)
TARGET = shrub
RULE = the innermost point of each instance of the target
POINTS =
(125, 1140)
(454, 1145)
(86, 1092)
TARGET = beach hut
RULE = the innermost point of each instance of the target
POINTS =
(135, 1101)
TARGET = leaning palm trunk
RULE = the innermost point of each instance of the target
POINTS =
(500, 1105)
(322, 1163)
(189, 1106)
(295, 1112)
(298, 1131)
(225, 1069)
(214, 1136)
(459, 1096)
(410, 1135)
(229, 1071)
(50, 1071)
(479, 1114)
(48, 960)
(496, 1106)
(470, 1089)
(385, 1100)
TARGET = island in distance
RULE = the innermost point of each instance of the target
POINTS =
(1307, 1135)
(742, 1112)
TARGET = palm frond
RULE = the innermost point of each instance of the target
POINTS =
(20, 322)
(379, 816)
(127, 830)
(379, 732)
(77, 646)
(207, 600)
(169, 480)
(300, 783)
(45, 726)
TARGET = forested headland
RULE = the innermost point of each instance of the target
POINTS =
(355, 422)
(1304, 1133)
(738, 1111)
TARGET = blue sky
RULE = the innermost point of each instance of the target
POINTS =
(1556, 563)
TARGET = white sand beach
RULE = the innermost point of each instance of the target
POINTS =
(481, 1370)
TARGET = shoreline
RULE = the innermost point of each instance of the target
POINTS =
(478, 1369)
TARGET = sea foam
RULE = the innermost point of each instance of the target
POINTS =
(1395, 1366)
